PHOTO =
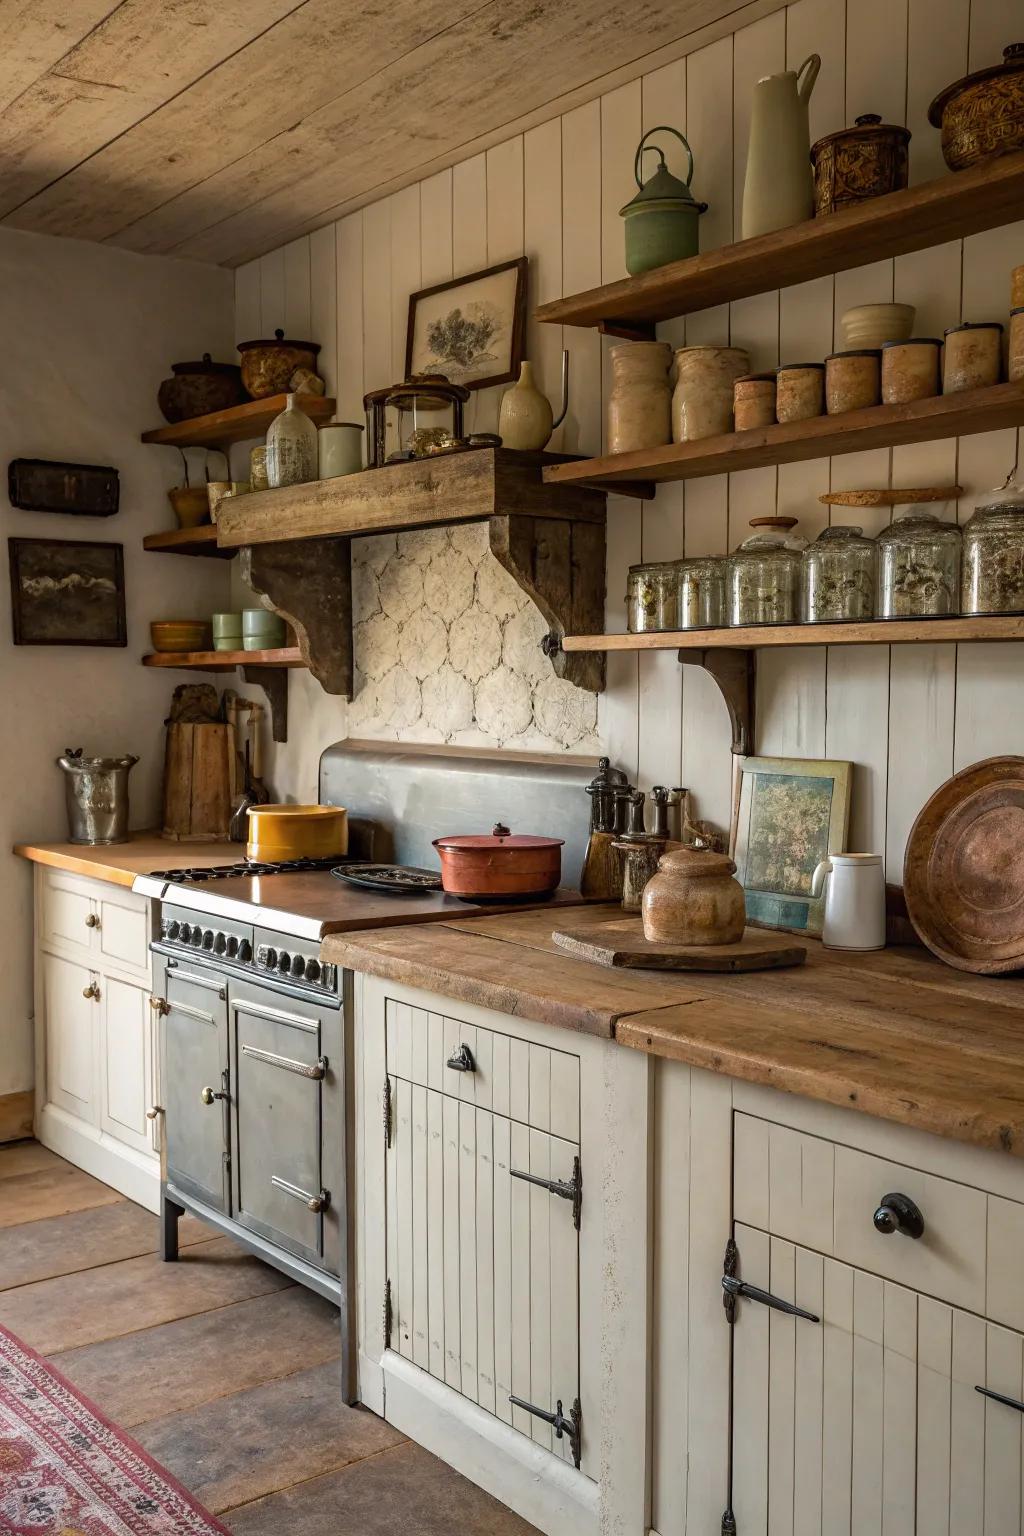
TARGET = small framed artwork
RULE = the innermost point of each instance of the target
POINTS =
(67, 593)
(470, 329)
(792, 813)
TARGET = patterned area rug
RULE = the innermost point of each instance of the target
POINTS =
(66, 1470)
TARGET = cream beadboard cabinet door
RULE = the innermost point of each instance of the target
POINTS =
(504, 1261)
(96, 1062)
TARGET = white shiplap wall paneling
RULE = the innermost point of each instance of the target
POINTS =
(405, 269)
(542, 242)
(378, 358)
(348, 257)
(323, 304)
(436, 229)
(469, 240)
(272, 291)
(297, 322)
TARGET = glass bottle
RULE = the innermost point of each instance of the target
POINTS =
(918, 567)
(701, 593)
(764, 575)
(992, 580)
(839, 576)
(652, 597)
(291, 447)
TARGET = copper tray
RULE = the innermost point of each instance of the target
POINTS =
(963, 876)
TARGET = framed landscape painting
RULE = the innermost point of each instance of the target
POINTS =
(470, 329)
(792, 813)
(67, 593)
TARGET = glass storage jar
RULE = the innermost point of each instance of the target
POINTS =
(839, 576)
(992, 580)
(652, 597)
(764, 575)
(701, 593)
(918, 567)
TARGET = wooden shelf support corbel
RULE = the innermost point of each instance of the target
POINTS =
(309, 583)
(560, 565)
(735, 672)
(274, 682)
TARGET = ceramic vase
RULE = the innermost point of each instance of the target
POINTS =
(291, 447)
(525, 418)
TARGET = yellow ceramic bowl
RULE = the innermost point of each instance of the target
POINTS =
(279, 832)
(180, 635)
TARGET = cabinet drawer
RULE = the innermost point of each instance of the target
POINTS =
(123, 931)
(824, 1196)
(69, 915)
(534, 1084)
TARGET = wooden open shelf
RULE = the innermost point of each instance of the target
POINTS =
(770, 636)
(929, 214)
(821, 437)
(222, 428)
(225, 661)
(188, 541)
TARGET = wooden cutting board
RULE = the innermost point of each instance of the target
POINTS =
(622, 943)
(197, 782)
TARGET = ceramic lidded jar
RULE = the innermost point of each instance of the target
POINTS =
(640, 401)
(702, 401)
(694, 899)
(910, 369)
(972, 356)
(291, 447)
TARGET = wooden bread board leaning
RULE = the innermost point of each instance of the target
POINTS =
(197, 782)
(622, 943)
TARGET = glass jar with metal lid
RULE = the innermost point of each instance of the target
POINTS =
(918, 567)
(764, 577)
(839, 576)
(652, 597)
(701, 593)
(992, 580)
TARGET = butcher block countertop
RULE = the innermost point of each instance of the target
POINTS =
(895, 1033)
(119, 863)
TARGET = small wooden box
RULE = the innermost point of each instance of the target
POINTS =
(197, 782)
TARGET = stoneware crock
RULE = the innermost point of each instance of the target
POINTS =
(694, 899)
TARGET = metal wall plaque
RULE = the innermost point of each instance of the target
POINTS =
(43, 485)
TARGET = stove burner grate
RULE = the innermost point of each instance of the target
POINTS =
(244, 868)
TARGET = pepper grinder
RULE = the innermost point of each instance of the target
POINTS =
(660, 801)
(601, 878)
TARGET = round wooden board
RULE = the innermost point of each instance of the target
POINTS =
(622, 943)
(898, 496)
(963, 875)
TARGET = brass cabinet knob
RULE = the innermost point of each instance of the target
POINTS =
(92, 921)
(92, 990)
(319, 1202)
(155, 1112)
(210, 1096)
(159, 1006)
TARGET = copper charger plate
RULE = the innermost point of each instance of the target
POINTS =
(963, 876)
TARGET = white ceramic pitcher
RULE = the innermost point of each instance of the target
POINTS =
(854, 886)
(778, 189)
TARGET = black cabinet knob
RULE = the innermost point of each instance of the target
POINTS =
(898, 1213)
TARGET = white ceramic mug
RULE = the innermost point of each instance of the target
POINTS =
(340, 445)
(854, 886)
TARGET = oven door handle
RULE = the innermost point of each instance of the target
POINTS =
(314, 1203)
(318, 1070)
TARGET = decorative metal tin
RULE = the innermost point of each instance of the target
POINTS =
(45, 485)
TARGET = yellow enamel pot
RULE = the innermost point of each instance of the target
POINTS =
(278, 832)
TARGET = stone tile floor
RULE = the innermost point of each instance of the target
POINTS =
(222, 1368)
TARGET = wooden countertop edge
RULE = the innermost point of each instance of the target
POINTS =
(77, 864)
(121, 863)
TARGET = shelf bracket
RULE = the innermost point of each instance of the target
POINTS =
(309, 583)
(274, 682)
(560, 565)
(735, 672)
(629, 330)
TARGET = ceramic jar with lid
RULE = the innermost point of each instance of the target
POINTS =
(640, 401)
(702, 399)
(694, 899)
(701, 590)
(982, 115)
(765, 575)
(858, 163)
(291, 447)
(754, 401)
(652, 597)
(853, 380)
(992, 580)
(799, 391)
(972, 356)
(839, 576)
(1015, 360)
(910, 369)
(918, 567)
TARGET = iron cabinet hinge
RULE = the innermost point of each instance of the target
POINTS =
(734, 1287)
(565, 1189)
(388, 1319)
(572, 1427)
(462, 1059)
(387, 1112)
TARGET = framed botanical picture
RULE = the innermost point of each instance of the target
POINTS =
(793, 812)
(67, 593)
(470, 329)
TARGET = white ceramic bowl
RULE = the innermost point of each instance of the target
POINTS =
(871, 325)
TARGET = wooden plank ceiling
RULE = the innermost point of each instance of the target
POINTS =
(217, 129)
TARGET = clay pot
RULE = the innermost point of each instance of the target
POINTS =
(499, 866)
(702, 399)
(694, 899)
(640, 402)
(267, 366)
(982, 114)
(197, 389)
(191, 505)
(972, 357)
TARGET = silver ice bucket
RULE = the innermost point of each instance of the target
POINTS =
(97, 796)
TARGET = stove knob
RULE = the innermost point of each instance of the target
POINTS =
(197, 937)
(208, 939)
(171, 930)
(232, 947)
(312, 970)
(298, 966)
(220, 944)
(266, 957)
(284, 962)
(245, 952)
(184, 933)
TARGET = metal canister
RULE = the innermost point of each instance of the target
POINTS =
(97, 796)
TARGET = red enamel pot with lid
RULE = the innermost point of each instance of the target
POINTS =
(501, 866)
